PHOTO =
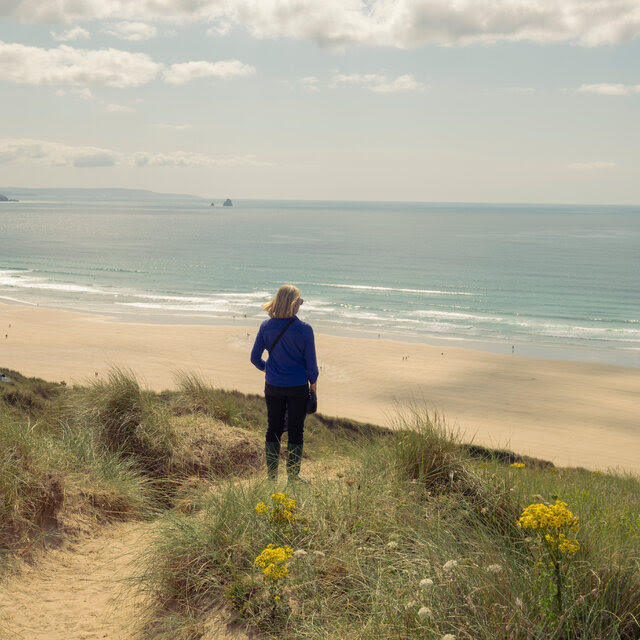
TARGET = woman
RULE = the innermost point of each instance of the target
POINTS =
(291, 372)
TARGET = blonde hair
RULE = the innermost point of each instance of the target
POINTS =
(283, 305)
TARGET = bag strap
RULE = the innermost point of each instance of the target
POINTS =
(286, 326)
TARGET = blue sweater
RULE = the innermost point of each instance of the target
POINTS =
(293, 361)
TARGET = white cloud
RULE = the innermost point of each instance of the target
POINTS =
(224, 70)
(309, 83)
(397, 23)
(68, 66)
(107, 67)
(77, 33)
(25, 150)
(44, 152)
(377, 82)
(172, 159)
(119, 108)
(589, 166)
(220, 29)
(84, 94)
(610, 89)
(132, 31)
(189, 159)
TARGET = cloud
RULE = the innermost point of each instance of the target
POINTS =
(106, 67)
(133, 31)
(220, 29)
(189, 159)
(25, 150)
(44, 152)
(224, 70)
(77, 33)
(395, 23)
(605, 89)
(377, 82)
(309, 83)
(68, 66)
(173, 159)
(589, 166)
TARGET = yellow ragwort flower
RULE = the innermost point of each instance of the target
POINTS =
(272, 561)
(552, 523)
(261, 507)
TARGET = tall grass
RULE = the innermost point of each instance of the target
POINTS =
(131, 421)
(416, 537)
(415, 540)
(30, 489)
(43, 477)
(72, 457)
(61, 466)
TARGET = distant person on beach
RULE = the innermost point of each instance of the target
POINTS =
(291, 372)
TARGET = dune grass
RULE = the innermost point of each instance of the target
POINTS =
(72, 458)
(416, 540)
(410, 533)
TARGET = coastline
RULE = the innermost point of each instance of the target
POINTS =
(572, 413)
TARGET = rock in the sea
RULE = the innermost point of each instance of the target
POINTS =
(213, 204)
(227, 203)
(3, 198)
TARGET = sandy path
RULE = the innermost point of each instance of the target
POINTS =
(76, 592)
(83, 591)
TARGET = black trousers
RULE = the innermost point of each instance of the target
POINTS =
(292, 400)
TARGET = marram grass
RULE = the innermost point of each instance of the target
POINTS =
(416, 535)
(404, 545)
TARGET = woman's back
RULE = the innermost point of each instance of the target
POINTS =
(293, 360)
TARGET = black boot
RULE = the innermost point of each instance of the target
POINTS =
(294, 458)
(272, 455)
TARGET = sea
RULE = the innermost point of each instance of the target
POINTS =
(547, 281)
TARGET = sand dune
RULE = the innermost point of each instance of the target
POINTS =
(571, 413)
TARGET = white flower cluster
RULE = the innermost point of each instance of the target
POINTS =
(450, 565)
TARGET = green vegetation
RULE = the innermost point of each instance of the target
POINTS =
(404, 533)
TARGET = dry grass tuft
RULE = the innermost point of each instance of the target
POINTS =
(208, 447)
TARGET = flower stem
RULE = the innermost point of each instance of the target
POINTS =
(556, 564)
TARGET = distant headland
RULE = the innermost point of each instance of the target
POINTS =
(78, 194)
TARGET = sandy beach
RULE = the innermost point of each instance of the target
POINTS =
(573, 414)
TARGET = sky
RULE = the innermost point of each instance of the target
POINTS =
(527, 101)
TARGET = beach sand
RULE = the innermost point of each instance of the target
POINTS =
(574, 414)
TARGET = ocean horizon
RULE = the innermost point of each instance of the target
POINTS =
(551, 281)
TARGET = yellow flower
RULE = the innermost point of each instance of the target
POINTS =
(567, 545)
(282, 511)
(517, 465)
(272, 560)
(261, 507)
(552, 522)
